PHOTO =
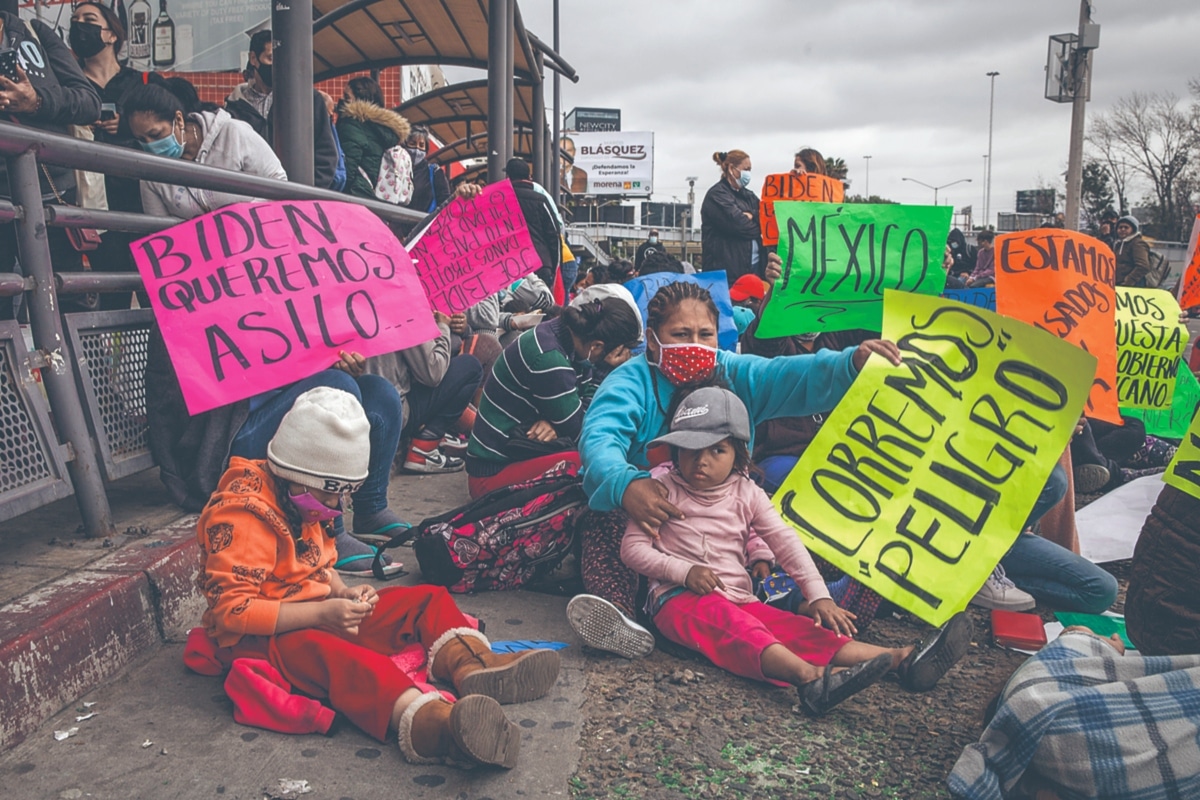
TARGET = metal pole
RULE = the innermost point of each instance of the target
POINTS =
(292, 28)
(985, 197)
(1082, 77)
(34, 251)
(987, 189)
(867, 188)
(510, 53)
(555, 155)
(497, 103)
(539, 123)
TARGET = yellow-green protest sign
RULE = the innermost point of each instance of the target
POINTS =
(1184, 470)
(839, 258)
(922, 477)
(1150, 341)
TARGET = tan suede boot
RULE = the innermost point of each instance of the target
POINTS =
(463, 658)
(469, 732)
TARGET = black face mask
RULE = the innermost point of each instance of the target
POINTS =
(264, 72)
(86, 39)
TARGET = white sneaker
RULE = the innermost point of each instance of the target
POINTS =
(999, 592)
(602, 625)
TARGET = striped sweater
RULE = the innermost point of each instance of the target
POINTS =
(532, 380)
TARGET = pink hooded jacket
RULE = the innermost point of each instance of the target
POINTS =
(718, 532)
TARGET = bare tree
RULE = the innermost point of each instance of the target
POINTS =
(1103, 140)
(1155, 138)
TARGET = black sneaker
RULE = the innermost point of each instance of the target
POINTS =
(933, 657)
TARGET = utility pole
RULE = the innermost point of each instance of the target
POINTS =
(687, 218)
(867, 187)
(1081, 78)
(987, 188)
(555, 155)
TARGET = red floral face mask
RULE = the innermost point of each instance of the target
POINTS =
(685, 363)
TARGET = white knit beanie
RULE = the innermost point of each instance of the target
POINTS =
(323, 442)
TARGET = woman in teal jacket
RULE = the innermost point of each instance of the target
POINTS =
(630, 409)
(367, 130)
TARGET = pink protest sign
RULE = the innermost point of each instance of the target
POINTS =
(254, 296)
(474, 248)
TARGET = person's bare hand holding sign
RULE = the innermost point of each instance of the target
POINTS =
(882, 347)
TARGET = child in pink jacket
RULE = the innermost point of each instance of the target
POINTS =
(700, 592)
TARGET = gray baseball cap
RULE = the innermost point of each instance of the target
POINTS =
(705, 417)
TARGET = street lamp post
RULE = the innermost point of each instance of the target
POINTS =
(987, 189)
(867, 188)
(687, 217)
(985, 196)
(936, 189)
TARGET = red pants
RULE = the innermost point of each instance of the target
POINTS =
(734, 636)
(356, 672)
(519, 472)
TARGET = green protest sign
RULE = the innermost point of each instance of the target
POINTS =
(839, 258)
(1150, 341)
(924, 474)
(1184, 470)
(1174, 421)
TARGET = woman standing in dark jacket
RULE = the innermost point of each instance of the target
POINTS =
(367, 131)
(729, 220)
(50, 94)
(96, 37)
(1133, 254)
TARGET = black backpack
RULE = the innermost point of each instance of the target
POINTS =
(504, 540)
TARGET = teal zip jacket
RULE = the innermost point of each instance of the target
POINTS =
(625, 415)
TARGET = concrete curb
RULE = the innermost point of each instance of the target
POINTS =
(66, 638)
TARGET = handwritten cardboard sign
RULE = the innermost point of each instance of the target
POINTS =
(473, 249)
(254, 296)
(1172, 423)
(1189, 285)
(1063, 282)
(1150, 341)
(1184, 470)
(838, 259)
(809, 187)
(922, 477)
(983, 297)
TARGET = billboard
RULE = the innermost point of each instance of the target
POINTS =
(1036, 201)
(593, 119)
(613, 163)
(175, 35)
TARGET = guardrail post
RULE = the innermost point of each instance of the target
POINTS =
(34, 251)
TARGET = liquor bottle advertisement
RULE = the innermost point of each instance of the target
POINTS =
(178, 35)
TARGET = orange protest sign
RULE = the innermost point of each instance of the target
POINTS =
(1189, 286)
(1062, 281)
(788, 186)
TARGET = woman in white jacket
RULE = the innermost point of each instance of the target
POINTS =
(207, 135)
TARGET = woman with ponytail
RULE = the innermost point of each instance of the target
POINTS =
(532, 407)
(729, 221)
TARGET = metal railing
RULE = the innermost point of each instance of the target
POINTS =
(91, 364)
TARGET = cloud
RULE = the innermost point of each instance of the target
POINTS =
(901, 80)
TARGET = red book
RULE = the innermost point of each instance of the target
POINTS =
(1017, 630)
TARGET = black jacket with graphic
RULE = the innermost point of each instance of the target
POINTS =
(68, 98)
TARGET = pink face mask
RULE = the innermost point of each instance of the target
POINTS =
(313, 510)
(682, 364)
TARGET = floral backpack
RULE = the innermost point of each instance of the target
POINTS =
(504, 540)
(395, 182)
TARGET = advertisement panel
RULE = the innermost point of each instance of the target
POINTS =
(594, 119)
(176, 35)
(613, 163)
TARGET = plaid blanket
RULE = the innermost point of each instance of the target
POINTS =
(1091, 723)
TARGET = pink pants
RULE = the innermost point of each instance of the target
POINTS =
(734, 636)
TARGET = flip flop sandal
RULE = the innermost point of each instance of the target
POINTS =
(819, 696)
(933, 658)
(381, 536)
(360, 565)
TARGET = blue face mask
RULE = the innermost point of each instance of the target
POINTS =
(167, 146)
(744, 179)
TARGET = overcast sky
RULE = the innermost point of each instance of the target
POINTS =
(900, 80)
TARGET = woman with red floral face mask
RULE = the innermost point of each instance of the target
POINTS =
(630, 409)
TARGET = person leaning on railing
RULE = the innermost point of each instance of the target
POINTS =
(175, 127)
(48, 97)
